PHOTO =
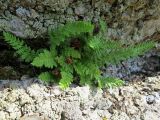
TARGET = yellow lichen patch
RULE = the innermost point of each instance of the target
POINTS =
(105, 118)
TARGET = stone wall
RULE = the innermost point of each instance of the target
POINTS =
(131, 20)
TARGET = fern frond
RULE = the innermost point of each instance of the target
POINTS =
(88, 73)
(118, 55)
(98, 43)
(86, 80)
(45, 59)
(109, 82)
(81, 69)
(46, 77)
(72, 52)
(21, 48)
(63, 65)
(103, 26)
(66, 80)
(143, 47)
(87, 69)
(83, 72)
(70, 30)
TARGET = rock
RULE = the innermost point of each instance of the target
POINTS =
(3, 115)
(69, 112)
(94, 116)
(131, 21)
(140, 101)
(33, 117)
(103, 104)
(22, 12)
(25, 77)
(150, 99)
(33, 100)
(157, 96)
(83, 93)
(70, 11)
(119, 116)
(150, 115)
(56, 91)
(150, 27)
(80, 10)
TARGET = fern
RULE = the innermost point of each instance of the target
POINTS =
(118, 55)
(72, 52)
(76, 54)
(46, 77)
(46, 59)
(109, 82)
(69, 30)
(21, 48)
(66, 80)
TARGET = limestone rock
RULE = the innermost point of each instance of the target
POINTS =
(33, 100)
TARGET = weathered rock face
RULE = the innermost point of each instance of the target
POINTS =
(27, 100)
(131, 20)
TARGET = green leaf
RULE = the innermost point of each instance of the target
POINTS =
(109, 82)
(97, 43)
(86, 80)
(117, 55)
(61, 60)
(143, 47)
(103, 25)
(71, 29)
(72, 52)
(46, 77)
(45, 59)
(66, 80)
(21, 48)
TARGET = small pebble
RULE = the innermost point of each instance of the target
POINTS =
(150, 99)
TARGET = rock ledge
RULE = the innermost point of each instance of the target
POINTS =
(29, 100)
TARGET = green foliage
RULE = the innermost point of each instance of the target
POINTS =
(66, 80)
(109, 82)
(69, 30)
(46, 76)
(21, 48)
(44, 59)
(76, 54)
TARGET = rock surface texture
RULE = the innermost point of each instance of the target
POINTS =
(30, 100)
(131, 20)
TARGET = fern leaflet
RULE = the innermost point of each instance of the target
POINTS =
(69, 30)
(45, 59)
(21, 48)
(109, 82)
(46, 77)
(66, 80)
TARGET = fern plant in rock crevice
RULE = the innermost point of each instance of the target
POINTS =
(76, 54)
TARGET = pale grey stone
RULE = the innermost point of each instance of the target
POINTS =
(22, 12)
(150, 99)
(119, 116)
(78, 103)
(80, 10)
(150, 115)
